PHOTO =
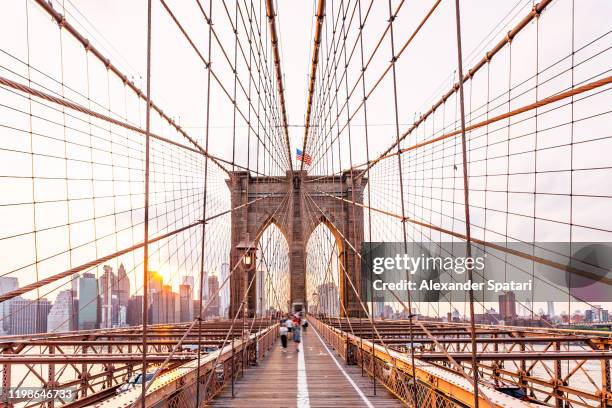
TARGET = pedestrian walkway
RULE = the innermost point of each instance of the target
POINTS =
(313, 377)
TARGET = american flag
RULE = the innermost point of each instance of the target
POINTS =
(305, 157)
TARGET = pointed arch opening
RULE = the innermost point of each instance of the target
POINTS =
(271, 292)
(325, 278)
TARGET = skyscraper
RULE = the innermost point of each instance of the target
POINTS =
(29, 316)
(507, 306)
(155, 305)
(167, 304)
(60, 317)
(109, 302)
(186, 299)
(551, 309)
(213, 301)
(224, 294)
(88, 302)
(134, 311)
(188, 280)
(186, 303)
(7, 284)
(261, 292)
(123, 287)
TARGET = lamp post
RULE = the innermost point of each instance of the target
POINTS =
(247, 249)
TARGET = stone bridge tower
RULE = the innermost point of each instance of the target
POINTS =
(296, 204)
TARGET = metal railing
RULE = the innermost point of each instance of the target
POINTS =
(218, 370)
(434, 387)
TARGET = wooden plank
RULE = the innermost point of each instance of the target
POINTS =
(274, 383)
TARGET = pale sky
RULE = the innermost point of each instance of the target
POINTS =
(425, 72)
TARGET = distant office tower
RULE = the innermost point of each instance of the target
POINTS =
(60, 317)
(122, 322)
(167, 304)
(379, 309)
(88, 302)
(205, 291)
(109, 302)
(597, 313)
(261, 292)
(328, 298)
(24, 319)
(6, 285)
(156, 315)
(507, 306)
(196, 308)
(156, 311)
(224, 294)
(134, 311)
(185, 303)
(74, 294)
(213, 301)
(123, 287)
(188, 280)
(551, 309)
(176, 300)
(186, 297)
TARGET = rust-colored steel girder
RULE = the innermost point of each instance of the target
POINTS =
(498, 347)
(92, 358)
(313, 73)
(279, 72)
(520, 356)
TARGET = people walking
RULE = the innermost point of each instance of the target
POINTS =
(297, 335)
(283, 336)
(289, 325)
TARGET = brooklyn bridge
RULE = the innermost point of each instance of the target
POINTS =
(179, 178)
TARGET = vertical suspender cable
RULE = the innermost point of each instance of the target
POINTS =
(145, 295)
(401, 185)
(365, 121)
(466, 201)
(208, 67)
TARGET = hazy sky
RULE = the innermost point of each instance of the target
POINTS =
(425, 71)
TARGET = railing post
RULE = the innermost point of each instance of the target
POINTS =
(84, 378)
(51, 380)
(233, 367)
(6, 380)
(558, 379)
(606, 393)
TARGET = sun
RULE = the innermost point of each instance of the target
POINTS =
(166, 272)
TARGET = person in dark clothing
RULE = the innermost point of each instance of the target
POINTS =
(283, 336)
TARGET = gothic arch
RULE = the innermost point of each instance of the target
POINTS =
(331, 196)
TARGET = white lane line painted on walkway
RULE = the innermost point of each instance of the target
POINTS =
(350, 380)
(303, 400)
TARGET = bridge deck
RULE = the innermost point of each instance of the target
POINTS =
(310, 377)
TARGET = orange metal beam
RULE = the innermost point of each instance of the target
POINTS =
(279, 75)
(313, 72)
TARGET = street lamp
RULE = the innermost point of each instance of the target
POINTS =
(247, 247)
(247, 258)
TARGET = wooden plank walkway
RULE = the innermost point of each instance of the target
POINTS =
(309, 378)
